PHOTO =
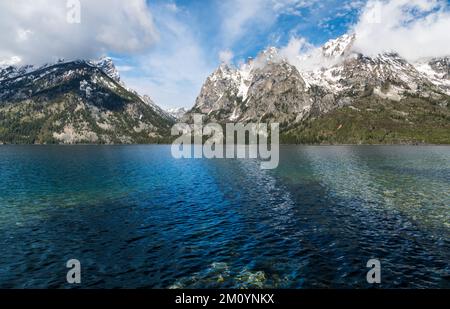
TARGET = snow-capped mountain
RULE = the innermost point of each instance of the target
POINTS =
(12, 70)
(76, 102)
(274, 87)
(264, 89)
(177, 113)
(339, 47)
(437, 70)
(106, 64)
(224, 81)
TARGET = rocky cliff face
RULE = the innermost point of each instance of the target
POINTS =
(263, 89)
(273, 89)
(177, 113)
(107, 66)
(219, 91)
(75, 102)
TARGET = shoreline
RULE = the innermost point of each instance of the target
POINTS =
(281, 144)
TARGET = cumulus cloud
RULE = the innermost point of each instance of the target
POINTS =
(37, 31)
(413, 28)
(295, 48)
(301, 54)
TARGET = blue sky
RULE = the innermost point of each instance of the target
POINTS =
(194, 33)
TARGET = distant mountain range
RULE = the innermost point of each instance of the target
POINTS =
(177, 113)
(333, 94)
(76, 102)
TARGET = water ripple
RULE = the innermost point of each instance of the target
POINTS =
(136, 218)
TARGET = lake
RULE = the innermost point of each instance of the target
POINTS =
(137, 218)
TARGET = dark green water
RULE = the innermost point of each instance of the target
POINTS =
(136, 217)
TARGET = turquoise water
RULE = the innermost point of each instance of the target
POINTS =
(135, 217)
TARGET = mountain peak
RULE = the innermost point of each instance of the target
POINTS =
(223, 68)
(269, 55)
(12, 71)
(224, 71)
(339, 47)
(106, 64)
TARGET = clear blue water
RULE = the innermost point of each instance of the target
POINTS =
(137, 218)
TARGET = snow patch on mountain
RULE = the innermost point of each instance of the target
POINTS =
(437, 70)
(177, 113)
(339, 47)
(106, 64)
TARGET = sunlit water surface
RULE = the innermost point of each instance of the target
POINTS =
(135, 217)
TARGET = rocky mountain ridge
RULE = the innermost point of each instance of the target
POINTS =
(76, 102)
(275, 88)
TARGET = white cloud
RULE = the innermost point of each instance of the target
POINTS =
(413, 28)
(240, 14)
(37, 31)
(241, 17)
(226, 56)
(14, 60)
(305, 56)
(295, 47)
(125, 68)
